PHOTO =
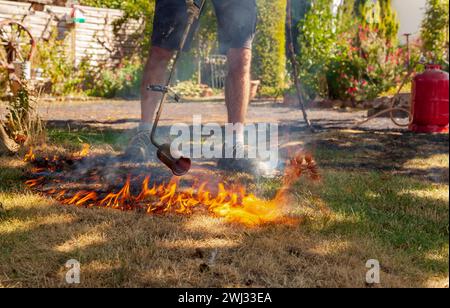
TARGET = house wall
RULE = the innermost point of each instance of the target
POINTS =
(94, 40)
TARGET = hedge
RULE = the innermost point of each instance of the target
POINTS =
(269, 59)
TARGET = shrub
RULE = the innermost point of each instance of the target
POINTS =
(435, 31)
(353, 55)
(59, 68)
(317, 41)
(365, 66)
(269, 63)
(124, 81)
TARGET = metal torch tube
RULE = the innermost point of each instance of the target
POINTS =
(193, 14)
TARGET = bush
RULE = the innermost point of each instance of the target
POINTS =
(317, 42)
(124, 81)
(270, 46)
(352, 55)
(435, 31)
(365, 67)
(59, 68)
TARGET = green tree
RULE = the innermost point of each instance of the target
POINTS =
(435, 29)
(380, 16)
(317, 42)
(346, 16)
(112, 4)
(389, 24)
(299, 10)
(270, 46)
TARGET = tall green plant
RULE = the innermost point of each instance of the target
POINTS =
(435, 29)
(317, 42)
(58, 66)
(270, 46)
(379, 16)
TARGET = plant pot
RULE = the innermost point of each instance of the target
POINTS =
(254, 85)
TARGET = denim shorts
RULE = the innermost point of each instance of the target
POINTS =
(236, 24)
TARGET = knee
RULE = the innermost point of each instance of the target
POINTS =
(160, 56)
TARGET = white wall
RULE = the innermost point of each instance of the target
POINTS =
(410, 14)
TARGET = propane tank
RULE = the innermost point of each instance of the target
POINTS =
(430, 101)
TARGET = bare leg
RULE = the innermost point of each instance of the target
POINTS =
(237, 89)
(154, 74)
(237, 97)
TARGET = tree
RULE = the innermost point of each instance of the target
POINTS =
(270, 46)
(346, 16)
(317, 42)
(299, 10)
(389, 24)
(379, 16)
(435, 29)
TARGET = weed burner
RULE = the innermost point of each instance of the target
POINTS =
(179, 166)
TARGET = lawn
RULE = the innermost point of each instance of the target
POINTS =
(386, 195)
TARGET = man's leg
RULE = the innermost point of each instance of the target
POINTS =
(155, 72)
(237, 90)
(168, 29)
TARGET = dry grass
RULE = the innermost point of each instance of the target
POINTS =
(400, 220)
(130, 250)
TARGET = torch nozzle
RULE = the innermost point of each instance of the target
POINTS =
(179, 166)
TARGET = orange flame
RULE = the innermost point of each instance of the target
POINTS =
(29, 157)
(232, 204)
(84, 151)
(122, 199)
(34, 182)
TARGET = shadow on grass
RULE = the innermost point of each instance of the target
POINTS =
(11, 178)
(382, 151)
(398, 211)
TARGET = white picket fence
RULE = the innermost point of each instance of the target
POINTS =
(94, 40)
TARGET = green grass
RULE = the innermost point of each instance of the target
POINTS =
(402, 213)
(77, 137)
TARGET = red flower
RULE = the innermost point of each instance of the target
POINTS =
(352, 90)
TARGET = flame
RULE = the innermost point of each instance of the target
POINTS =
(29, 157)
(122, 199)
(35, 182)
(233, 204)
(84, 151)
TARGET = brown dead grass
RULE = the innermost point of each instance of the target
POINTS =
(132, 250)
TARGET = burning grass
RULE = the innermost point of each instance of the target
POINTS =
(76, 180)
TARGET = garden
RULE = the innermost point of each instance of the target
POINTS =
(355, 183)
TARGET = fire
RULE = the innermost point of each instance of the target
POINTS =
(122, 199)
(84, 151)
(35, 182)
(29, 157)
(232, 204)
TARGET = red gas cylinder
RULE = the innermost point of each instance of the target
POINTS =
(430, 104)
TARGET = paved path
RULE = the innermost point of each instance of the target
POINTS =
(119, 114)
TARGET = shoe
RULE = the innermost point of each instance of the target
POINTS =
(140, 148)
(252, 166)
